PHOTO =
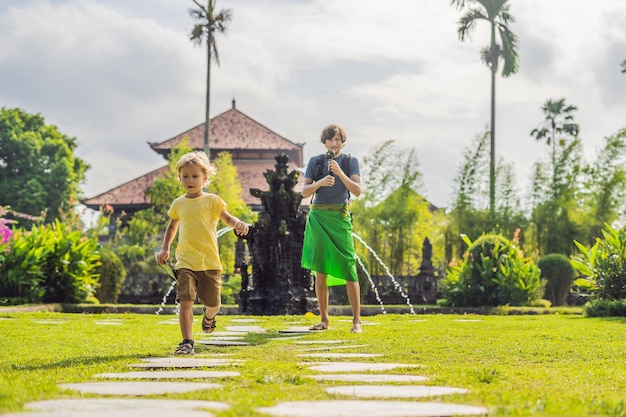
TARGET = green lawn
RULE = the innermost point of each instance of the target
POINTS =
(522, 365)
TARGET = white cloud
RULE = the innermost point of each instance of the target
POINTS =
(118, 73)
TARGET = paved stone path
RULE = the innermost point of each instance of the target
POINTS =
(387, 403)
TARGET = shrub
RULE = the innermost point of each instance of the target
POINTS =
(493, 272)
(603, 265)
(49, 263)
(112, 275)
(605, 308)
(558, 271)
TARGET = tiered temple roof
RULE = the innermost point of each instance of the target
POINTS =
(251, 145)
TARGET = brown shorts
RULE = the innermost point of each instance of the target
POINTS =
(203, 285)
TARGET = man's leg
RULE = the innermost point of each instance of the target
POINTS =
(354, 296)
(321, 291)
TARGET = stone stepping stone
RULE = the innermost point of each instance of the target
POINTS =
(319, 342)
(184, 363)
(49, 321)
(223, 334)
(326, 348)
(356, 366)
(357, 408)
(394, 391)
(296, 329)
(168, 375)
(245, 320)
(468, 320)
(138, 412)
(246, 329)
(108, 404)
(138, 388)
(225, 338)
(340, 355)
(222, 343)
(109, 322)
(363, 323)
(369, 378)
(286, 337)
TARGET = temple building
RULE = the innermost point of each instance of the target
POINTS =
(251, 145)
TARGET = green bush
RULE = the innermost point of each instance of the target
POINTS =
(493, 272)
(49, 263)
(603, 265)
(605, 308)
(112, 275)
(558, 271)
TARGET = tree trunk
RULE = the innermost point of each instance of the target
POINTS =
(492, 158)
(207, 120)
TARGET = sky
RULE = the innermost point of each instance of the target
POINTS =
(117, 74)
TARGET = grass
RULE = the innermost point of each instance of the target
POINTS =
(522, 365)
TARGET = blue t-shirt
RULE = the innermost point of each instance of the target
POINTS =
(338, 193)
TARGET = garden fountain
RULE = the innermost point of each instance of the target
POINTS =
(277, 284)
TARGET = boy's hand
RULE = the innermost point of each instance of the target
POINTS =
(241, 228)
(162, 256)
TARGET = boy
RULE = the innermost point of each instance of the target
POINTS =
(198, 266)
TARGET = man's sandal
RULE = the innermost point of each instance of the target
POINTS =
(208, 325)
(184, 348)
(319, 326)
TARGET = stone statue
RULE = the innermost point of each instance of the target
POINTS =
(277, 284)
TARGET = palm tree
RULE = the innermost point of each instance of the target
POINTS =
(496, 12)
(559, 120)
(204, 30)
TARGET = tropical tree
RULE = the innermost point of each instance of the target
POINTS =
(496, 12)
(207, 24)
(469, 214)
(604, 191)
(226, 184)
(555, 182)
(559, 120)
(391, 215)
(39, 173)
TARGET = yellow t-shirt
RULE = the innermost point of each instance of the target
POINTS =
(197, 231)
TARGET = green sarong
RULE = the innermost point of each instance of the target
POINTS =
(328, 245)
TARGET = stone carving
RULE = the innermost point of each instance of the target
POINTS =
(277, 284)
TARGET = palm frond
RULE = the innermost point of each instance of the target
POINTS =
(509, 50)
(460, 4)
(467, 22)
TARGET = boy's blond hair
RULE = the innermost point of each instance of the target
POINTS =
(198, 158)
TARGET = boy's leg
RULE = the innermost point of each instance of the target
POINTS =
(185, 319)
(209, 294)
(186, 295)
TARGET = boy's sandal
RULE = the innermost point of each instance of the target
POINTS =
(208, 325)
(184, 348)
(319, 326)
(356, 328)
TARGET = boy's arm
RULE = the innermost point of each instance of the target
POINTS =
(231, 221)
(170, 232)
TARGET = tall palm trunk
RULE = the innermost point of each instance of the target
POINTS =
(492, 156)
(207, 120)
